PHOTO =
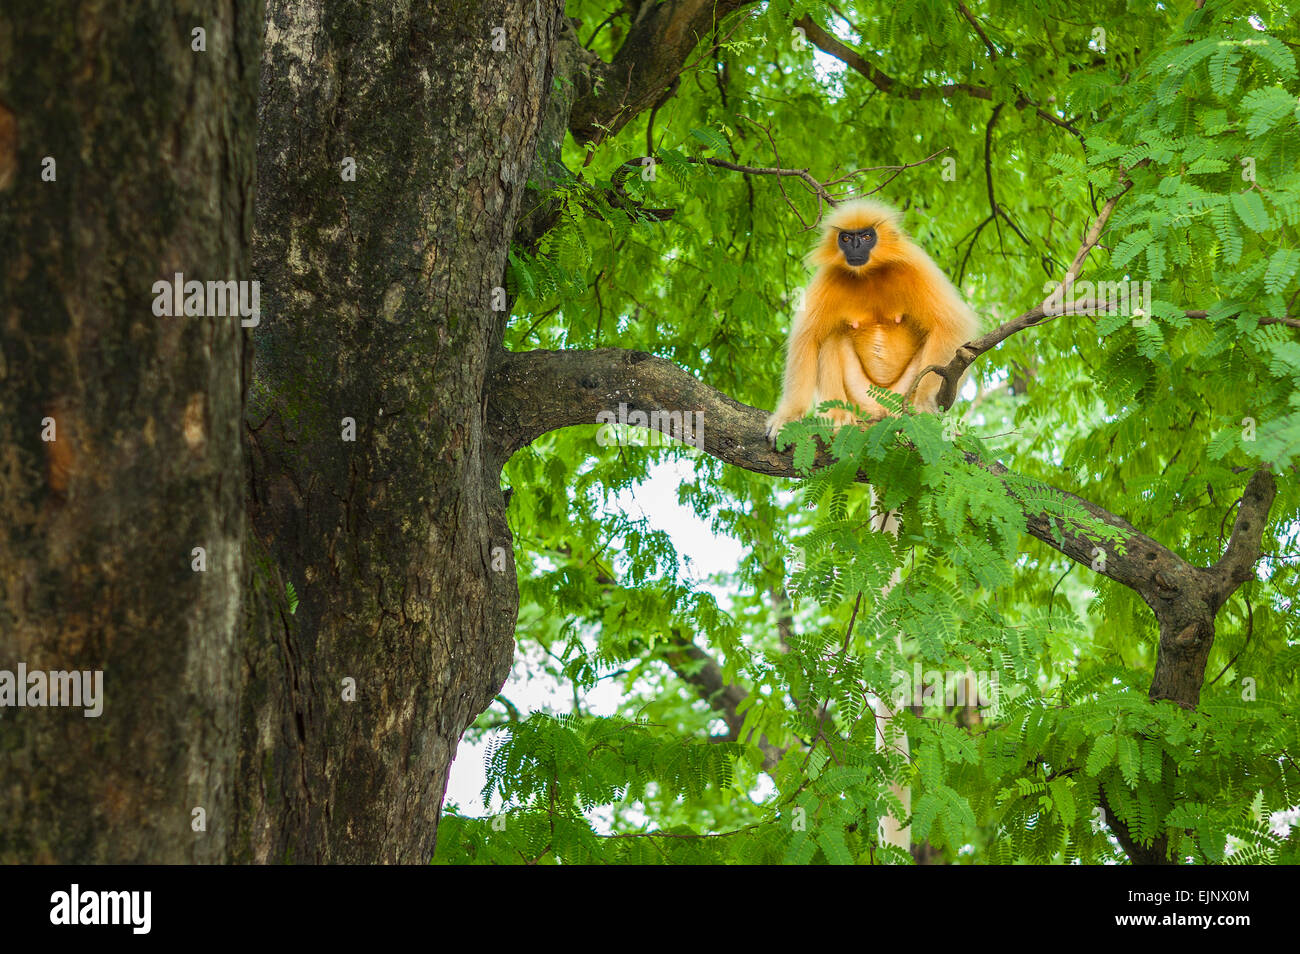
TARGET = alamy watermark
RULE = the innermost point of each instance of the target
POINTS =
(195, 299)
(663, 426)
(949, 687)
(56, 687)
(1090, 298)
(76, 906)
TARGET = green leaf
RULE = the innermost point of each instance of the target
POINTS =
(1224, 70)
(1266, 108)
(711, 138)
(1063, 799)
(1249, 207)
(1282, 266)
(1102, 754)
(1129, 247)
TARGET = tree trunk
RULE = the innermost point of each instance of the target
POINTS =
(378, 315)
(370, 486)
(119, 429)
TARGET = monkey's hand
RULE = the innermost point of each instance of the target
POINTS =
(873, 409)
(926, 398)
(779, 419)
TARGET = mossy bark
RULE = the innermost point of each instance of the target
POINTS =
(378, 310)
(377, 305)
(126, 155)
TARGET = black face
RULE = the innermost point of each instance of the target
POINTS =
(857, 245)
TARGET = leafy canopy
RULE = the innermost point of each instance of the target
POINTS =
(1157, 417)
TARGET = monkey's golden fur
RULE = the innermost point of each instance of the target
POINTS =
(882, 322)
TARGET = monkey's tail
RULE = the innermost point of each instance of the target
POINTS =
(892, 830)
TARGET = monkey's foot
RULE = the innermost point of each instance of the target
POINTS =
(779, 419)
(841, 417)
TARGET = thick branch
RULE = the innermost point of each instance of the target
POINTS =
(1237, 565)
(1144, 565)
(652, 56)
(886, 84)
(534, 392)
(538, 391)
(1157, 853)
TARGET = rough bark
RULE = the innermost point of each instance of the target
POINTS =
(1186, 600)
(570, 61)
(154, 145)
(661, 37)
(1156, 853)
(378, 306)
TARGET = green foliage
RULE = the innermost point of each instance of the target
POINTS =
(1156, 414)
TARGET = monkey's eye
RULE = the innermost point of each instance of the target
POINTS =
(844, 238)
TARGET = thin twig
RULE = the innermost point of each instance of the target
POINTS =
(993, 54)
(820, 190)
(821, 715)
(1250, 628)
(968, 352)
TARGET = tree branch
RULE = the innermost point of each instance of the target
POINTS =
(996, 211)
(1288, 321)
(820, 190)
(968, 352)
(1138, 854)
(538, 391)
(886, 84)
(851, 58)
(988, 45)
(534, 392)
(1037, 315)
(699, 669)
(1237, 565)
(653, 55)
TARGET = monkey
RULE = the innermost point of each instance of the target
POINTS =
(877, 311)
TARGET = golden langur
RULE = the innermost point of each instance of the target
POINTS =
(878, 311)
